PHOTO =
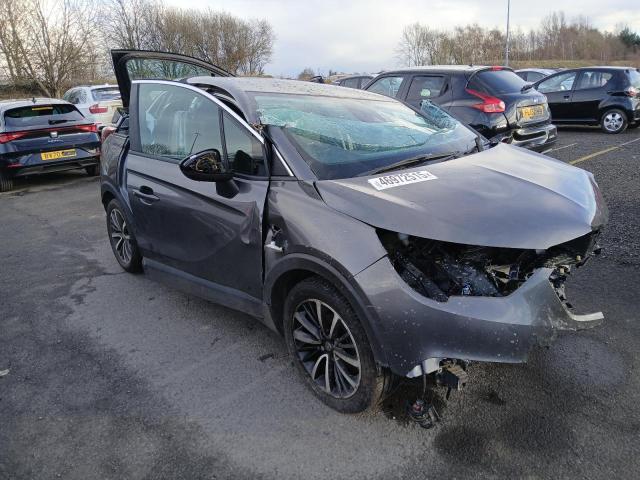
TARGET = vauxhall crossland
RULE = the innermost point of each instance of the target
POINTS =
(379, 240)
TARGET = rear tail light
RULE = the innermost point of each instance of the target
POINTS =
(106, 131)
(97, 108)
(9, 137)
(489, 104)
(632, 92)
(92, 127)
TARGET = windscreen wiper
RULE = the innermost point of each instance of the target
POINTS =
(525, 87)
(410, 162)
(55, 122)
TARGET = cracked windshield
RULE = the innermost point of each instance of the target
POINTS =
(346, 137)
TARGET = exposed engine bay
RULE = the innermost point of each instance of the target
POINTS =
(439, 270)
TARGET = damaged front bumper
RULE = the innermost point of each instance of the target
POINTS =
(416, 332)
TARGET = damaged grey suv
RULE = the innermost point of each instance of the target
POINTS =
(377, 239)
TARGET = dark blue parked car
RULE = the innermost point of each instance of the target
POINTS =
(44, 135)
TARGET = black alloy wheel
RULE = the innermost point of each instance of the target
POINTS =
(121, 237)
(330, 347)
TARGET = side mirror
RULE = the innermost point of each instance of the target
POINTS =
(205, 166)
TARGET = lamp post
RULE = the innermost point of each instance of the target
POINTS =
(506, 49)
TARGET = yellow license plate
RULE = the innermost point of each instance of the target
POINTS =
(57, 155)
(532, 112)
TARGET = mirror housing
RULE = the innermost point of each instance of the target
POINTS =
(205, 166)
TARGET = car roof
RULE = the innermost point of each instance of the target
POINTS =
(240, 87)
(106, 85)
(347, 77)
(442, 68)
(539, 70)
(27, 102)
(603, 67)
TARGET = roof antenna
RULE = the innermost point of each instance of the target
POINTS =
(33, 99)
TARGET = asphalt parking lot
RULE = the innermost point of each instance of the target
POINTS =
(113, 376)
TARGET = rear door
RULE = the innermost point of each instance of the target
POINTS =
(590, 89)
(558, 89)
(132, 65)
(204, 232)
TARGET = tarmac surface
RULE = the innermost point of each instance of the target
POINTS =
(112, 376)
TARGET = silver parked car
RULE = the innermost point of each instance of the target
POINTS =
(377, 239)
(98, 103)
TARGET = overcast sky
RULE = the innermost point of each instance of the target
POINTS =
(361, 35)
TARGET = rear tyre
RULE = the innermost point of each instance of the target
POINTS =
(614, 121)
(123, 243)
(330, 347)
(92, 170)
(6, 183)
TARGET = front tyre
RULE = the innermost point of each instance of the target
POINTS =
(330, 347)
(92, 170)
(123, 243)
(6, 183)
(614, 121)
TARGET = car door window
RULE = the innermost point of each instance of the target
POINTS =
(72, 97)
(350, 82)
(175, 122)
(534, 76)
(82, 96)
(243, 150)
(559, 83)
(593, 79)
(364, 81)
(425, 88)
(388, 86)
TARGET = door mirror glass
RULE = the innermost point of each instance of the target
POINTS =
(206, 166)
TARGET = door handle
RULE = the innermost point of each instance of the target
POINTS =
(145, 194)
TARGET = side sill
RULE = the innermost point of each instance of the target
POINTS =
(199, 287)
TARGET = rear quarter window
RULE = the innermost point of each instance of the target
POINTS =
(495, 82)
(41, 115)
(634, 78)
(105, 94)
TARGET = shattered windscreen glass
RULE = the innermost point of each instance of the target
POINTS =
(345, 137)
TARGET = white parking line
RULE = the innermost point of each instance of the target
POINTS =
(560, 148)
(602, 152)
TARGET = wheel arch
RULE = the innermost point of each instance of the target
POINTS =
(296, 267)
(614, 106)
(107, 196)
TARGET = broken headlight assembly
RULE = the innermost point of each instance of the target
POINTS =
(439, 270)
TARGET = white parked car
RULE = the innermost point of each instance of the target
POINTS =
(96, 102)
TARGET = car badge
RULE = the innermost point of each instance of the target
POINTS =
(53, 134)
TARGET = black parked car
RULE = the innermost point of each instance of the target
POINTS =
(605, 96)
(44, 135)
(375, 238)
(353, 81)
(492, 100)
